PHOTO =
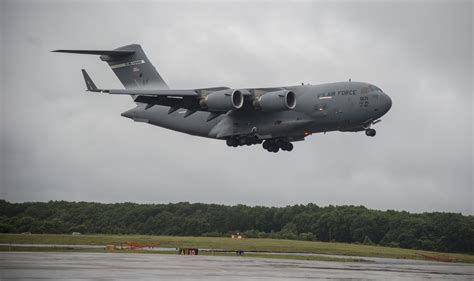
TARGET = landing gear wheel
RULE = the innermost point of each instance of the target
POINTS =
(370, 132)
(231, 142)
(289, 147)
(270, 146)
(266, 145)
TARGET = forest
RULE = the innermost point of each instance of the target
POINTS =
(437, 231)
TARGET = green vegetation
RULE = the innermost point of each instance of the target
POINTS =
(443, 232)
(221, 243)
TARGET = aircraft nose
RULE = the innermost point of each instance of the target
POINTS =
(387, 102)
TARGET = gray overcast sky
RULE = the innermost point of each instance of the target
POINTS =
(58, 142)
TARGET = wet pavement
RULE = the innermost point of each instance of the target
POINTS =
(119, 266)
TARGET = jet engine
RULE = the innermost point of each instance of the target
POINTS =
(223, 100)
(275, 101)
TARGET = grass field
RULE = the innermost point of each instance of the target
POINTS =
(259, 245)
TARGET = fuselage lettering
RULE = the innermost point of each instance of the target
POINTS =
(338, 93)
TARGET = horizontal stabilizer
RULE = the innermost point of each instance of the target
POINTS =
(117, 53)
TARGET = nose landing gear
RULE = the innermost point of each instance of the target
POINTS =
(370, 132)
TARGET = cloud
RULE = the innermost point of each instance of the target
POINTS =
(58, 142)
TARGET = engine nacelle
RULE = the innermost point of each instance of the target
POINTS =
(275, 101)
(223, 100)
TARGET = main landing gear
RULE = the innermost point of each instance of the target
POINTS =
(234, 142)
(271, 145)
(370, 132)
(276, 145)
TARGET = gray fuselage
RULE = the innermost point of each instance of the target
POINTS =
(340, 106)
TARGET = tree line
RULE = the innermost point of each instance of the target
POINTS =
(449, 232)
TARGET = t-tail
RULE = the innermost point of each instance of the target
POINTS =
(131, 66)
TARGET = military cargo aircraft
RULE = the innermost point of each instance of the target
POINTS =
(274, 117)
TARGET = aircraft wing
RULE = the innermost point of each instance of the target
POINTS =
(150, 93)
(176, 99)
(217, 100)
(91, 87)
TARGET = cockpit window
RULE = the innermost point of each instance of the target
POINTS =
(370, 88)
(374, 88)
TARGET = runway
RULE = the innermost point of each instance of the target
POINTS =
(119, 266)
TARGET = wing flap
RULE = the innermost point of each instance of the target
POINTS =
(153, 93)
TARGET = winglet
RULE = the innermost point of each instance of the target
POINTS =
(89, 83)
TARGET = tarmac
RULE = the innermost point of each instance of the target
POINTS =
(127, 266)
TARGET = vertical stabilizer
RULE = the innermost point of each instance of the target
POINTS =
(135, 70)
(131, 66)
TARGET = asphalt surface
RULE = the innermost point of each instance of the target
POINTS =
(119, 266)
